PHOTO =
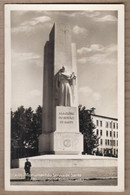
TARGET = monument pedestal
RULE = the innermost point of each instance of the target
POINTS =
(67, 161)
(66, 143)
(66, 139)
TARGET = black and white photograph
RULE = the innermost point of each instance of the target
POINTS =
(64, 97)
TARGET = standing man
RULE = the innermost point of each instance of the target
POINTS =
(27, 169)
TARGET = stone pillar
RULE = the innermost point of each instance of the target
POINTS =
(60, 134)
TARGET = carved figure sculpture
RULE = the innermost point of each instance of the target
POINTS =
(64, 84)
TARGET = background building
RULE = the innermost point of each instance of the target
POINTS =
(107, 131)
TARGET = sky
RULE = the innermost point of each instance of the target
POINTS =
(95, 35)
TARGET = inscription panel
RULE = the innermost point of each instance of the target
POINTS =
(66, 119)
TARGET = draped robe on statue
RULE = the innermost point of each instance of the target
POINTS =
(64, 90)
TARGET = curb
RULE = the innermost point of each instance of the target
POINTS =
(59, 179)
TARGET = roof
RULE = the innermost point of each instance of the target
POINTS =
(106, 117)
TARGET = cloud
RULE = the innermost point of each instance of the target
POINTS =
(97, 54)
(97, 16)
(32, 24)
(111, 48)
(92, 48)
(86, 90)
(34, 93)
(96, 96)
(79, 30)
(86, 93)
(31, 98)
(107, 18)
(89, 14)
(98, 59)
(22, 57)
(35, 21)
(97, 48)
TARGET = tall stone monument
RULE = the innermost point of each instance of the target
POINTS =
(60, 131)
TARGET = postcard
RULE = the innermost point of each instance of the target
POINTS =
(64, 97)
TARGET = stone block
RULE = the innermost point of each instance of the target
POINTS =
(67, 143)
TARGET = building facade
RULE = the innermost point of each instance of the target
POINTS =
(107, 132)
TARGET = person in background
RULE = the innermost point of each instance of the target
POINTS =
(27, 167)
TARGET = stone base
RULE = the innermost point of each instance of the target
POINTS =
(61, 143)
(44, 144)
(66, 143)
(67, 161)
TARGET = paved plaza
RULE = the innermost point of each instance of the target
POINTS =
(66, 176)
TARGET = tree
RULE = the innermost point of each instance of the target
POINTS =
(37, 126)
(87, 129)
(17, 131)
(27, 135)
(26, 126)
(18, 124)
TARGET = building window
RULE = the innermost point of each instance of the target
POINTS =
(100, 123)
(117, 125)
(114, 134)
(110, 133)
(106, 142)
(113, 125)
(100, 132)
(100, 141)
(113, 142)
(97, 131)
(117, 134)
(107, 133)
(117, 142)
(114, 151)
(106, 124)
(97, 122)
